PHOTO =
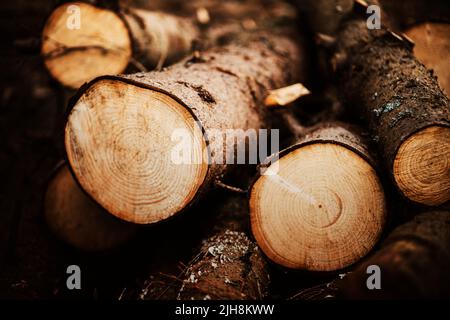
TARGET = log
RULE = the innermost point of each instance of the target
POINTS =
(226, 263)
(129, 169)
(319, 205)
(401, 102)
(229, 266)
(432, 48)
(107, 41)
(414, 261)
(77, 220)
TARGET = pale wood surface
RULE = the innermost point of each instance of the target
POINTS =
(422, 166)
(323, 210)
(102, 44)
(119, 141)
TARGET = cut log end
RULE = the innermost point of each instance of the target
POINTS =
(79, 221)
(81, 42)
(432, 48)
(422, 166)
(136, 151)
(323, 209)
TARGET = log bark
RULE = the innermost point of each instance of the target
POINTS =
(414, 261)
(81, 41)
(226, 263)
(326, 192)
(77, 220)
(229, 266)
(401, 101)
(128, 168)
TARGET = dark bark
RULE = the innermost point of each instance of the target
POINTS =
(414, 261)
(383, 82)
(229, 267)
(229, 262)
(329, 130)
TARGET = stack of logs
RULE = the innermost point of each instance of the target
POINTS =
(323, 203)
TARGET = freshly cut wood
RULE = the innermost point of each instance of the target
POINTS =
(286, 95)
(404, 106)
(78, 220)
(422, 166)
(414, 262)
(81, 41)
(143, 145)
(319, 205)
(229, 266)
(432, 48)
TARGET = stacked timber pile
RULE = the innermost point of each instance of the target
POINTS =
(258, 141)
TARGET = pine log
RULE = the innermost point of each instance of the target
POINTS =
(432, 48)
(128, 168)
(414, 261)
(77, 220)
(319, 205)
(108, 40)
(401, 101)
(229, 267)
(225, 264)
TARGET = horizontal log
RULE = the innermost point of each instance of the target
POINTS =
(319, 205)
(81, 41)
(79, 221)
(413, 261)
(403, 105)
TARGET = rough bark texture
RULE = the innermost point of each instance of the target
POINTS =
(384, 83)
(233, 268)
(229, 266)
(329, 130)
(350, 137)
(414, 261)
